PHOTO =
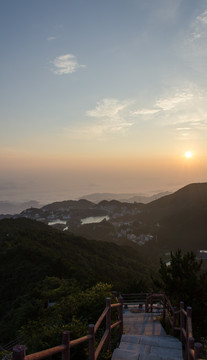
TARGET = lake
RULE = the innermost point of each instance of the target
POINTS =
(57, 221)
(94, 219)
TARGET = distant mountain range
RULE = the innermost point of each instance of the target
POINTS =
(125, 197)
(166, 223)
(7, 207)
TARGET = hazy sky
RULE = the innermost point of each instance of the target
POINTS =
(101, 96)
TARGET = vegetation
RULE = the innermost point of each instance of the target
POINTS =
(39, 264)
(183, 280)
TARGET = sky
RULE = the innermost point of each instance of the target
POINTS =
(101, 96)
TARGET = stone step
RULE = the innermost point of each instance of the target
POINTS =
(164, 341)
(120, 354)
(134, 347)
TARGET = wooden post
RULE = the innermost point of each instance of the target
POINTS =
(189, 345)
(146, 306)
(151, 304)
(174, 320)
(189, 316)
(120, 309)
(108, 322)
(197, 349)
(91, 342)
(18, 352)
(188, 331)
(182, 322)
(164, 308)
(66, 341)
(115, 294)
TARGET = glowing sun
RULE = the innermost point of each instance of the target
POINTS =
(188, 154)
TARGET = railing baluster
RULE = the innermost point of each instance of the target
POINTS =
(174, 320)
(151, 303)
(91, 342)
(108, 323)
(189, 346)
(198, 349)
(164, 308)
(18, 352)
(182, 322)
(189, 322)
(66, 342)
(191, 351)
(120, 310)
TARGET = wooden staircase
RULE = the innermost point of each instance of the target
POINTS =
(145, 339)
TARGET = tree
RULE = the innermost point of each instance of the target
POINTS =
(181, 279)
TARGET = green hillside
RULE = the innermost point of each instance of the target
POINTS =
(177, 220)
(31, 251)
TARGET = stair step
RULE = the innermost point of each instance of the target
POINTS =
(163, 354)
(162, 341)
(135, 347)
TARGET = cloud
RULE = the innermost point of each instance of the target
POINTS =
(111, 115)
(50, 38)
(107, 108)
(186, 110)
(183, 110)
(65, 64)
(182, 128)
(202, 18)
(199, 28)
(168, 10)
(165, 103)
(145, 112)
(169, 103)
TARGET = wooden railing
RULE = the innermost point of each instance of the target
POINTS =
(19, 352)
(134, 299)
(179, 320)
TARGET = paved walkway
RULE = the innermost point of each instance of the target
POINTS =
(145, 339)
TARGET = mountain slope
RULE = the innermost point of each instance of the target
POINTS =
(31, 250)
(179, 219)
(193, 196)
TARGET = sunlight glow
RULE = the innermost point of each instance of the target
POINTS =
(188, 154)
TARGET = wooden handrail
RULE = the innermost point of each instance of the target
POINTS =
(45, 353)
(64, 348)
(184, 312)
(103, 339)
(192, 351)
(99, 321)
(79, 340)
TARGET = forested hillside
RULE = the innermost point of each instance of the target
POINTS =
(32, 253)
(177, 220)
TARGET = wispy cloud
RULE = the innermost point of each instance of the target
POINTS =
(50, 38)
(145, 112)
(168, 10)
(186, 111)
(171, 102)
(111, 115)
(202, 18)
(199, 28)
(165, 104)
(65, 64)
(183, 111)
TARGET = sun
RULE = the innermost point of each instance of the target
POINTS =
(188, 154)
